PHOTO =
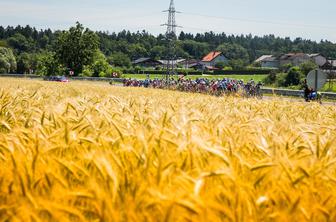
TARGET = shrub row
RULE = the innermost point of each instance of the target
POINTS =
(188, 72)
(242, 72)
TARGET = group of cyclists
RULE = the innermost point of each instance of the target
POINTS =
(217, 87)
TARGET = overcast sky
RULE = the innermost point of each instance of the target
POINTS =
(309, 19)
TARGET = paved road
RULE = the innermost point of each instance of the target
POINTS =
(293, 99)
(286, 98)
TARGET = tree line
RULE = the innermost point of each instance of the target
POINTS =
(46, 52)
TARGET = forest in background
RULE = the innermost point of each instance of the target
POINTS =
(33, 49)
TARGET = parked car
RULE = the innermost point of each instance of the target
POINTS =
(56, 79)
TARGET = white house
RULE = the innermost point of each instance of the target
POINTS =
(210, 60)
(268, 61)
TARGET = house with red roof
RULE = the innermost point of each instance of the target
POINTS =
(210, 60)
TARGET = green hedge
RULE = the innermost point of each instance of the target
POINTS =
(193, 72)
(242, 72)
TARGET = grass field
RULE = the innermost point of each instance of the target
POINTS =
(243, 77)
(93, 152)
(329, 87)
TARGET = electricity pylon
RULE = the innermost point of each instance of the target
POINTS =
(171, 38)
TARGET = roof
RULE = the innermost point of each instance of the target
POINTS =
(165, 62)
(194, 65)
(314, 55)
(190, 61)
(293, 55)
(141, 60)
(266, 58)
(211, 56)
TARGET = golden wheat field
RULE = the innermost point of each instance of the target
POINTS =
(93, 152)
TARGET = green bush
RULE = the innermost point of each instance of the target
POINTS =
(307, 67)
(271, 78)
(7, 61)
(237, 64)
(101, 68)
(256, 69)
(119, 59)
(293, 77)
(137, 69)
(47, 64)
(286, 67)
(281, 80)
(220, 65)
(3, 43)
(115, 72)
(87, 72)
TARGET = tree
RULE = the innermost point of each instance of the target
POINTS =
(286, 67)
(307, 67)
(235, 52)
(271, 77)
(47, 65)
(137, 51)
(293, 77)
(23, 63)
(237, 64)
(20, 43)
(7, 60)
(3, 43)
(100, 66)
(27, 62)
(179, 51)
(119, 59)
(76, 48)
(241, 49)
(220, 65)
(195, 49)
(43, 41)
(157, 52)
(2, 32)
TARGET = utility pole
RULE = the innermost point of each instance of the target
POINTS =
(171, 38)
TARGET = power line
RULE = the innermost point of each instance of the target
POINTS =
(261, 21)
(211, 30)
